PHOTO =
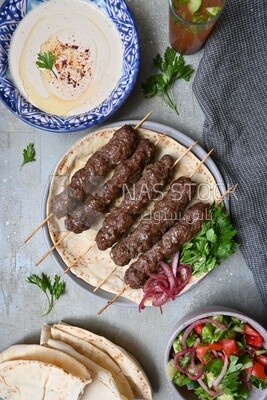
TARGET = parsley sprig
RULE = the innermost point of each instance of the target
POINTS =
(46, 61)
(214, 242)
(52, 290)
(172, 68)
(28, 154)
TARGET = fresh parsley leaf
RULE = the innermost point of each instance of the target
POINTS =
(201, 394)
(52, 290)
(46, 61)
(214, 242)
(28, 154)
(258, 383)
(172, 68)
(191, 339)
(181, 379)
(211, 334)
(214, 366)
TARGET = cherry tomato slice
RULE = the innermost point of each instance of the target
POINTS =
(262, 359)
(216, 346)
(201, 351)
(248, 330)
(229, 347)
(258, 371)
(198, 329)
(255, 341)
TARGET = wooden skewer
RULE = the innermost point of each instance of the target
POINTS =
(201, 162)
(113, 299)
(50, 250)
(114, 269)
(230, 190)
(51, 214)
(162, 136)
(187, 151)
(37, 228)
(78, 259)
(143, 120)
(105, 279)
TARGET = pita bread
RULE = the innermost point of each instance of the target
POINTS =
(92, 353)
(102, 386)
(36, 352)
(35, 380)
(95, 265)
(130, 368)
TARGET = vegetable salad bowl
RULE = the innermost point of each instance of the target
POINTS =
(222, 360)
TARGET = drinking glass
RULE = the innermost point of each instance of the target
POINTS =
(188, 32)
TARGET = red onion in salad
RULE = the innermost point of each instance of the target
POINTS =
(217, 381)
(197, 372)
(167, 283)
(200, 321)
(211, 393)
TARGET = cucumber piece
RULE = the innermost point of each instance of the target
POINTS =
(194, 5)
(171, 370)
(213, 10)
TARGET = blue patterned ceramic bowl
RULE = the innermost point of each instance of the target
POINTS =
(12, 12)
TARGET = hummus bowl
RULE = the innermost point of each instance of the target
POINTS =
(94, 59)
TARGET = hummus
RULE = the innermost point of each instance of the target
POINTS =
(87, 52)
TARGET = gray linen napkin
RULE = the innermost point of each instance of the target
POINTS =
(231, 87)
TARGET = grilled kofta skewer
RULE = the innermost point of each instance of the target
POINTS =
(154, 178)
(165, 213)
(183, 231)
(127, 172)
(120, 147)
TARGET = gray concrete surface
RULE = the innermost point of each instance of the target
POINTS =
(146, 334)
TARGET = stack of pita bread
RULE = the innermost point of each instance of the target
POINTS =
(71, 364)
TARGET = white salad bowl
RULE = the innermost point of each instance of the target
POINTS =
(183, 393)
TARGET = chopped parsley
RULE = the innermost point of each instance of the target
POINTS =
(214, 242)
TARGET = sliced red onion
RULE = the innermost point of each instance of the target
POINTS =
(169, 274)
(200, 321)
(190, 351)
(161, 300)
(164, 285)
(174, 263)
(215, 353)
(211, 393)
(197, 371)
(217, 381)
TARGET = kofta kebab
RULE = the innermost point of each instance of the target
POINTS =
(169, 226)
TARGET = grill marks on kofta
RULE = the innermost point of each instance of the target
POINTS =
(165, 213)
(154, 178)
(127, 172)
(120, 147)
(158, 236)
(180, 233)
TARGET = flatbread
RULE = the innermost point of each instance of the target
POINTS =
(130, 368)
(94, 266)
(35, 380)
(102, 386)
(35, 352)
(90, 352)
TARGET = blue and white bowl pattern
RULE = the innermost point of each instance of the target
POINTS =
(11, 13)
